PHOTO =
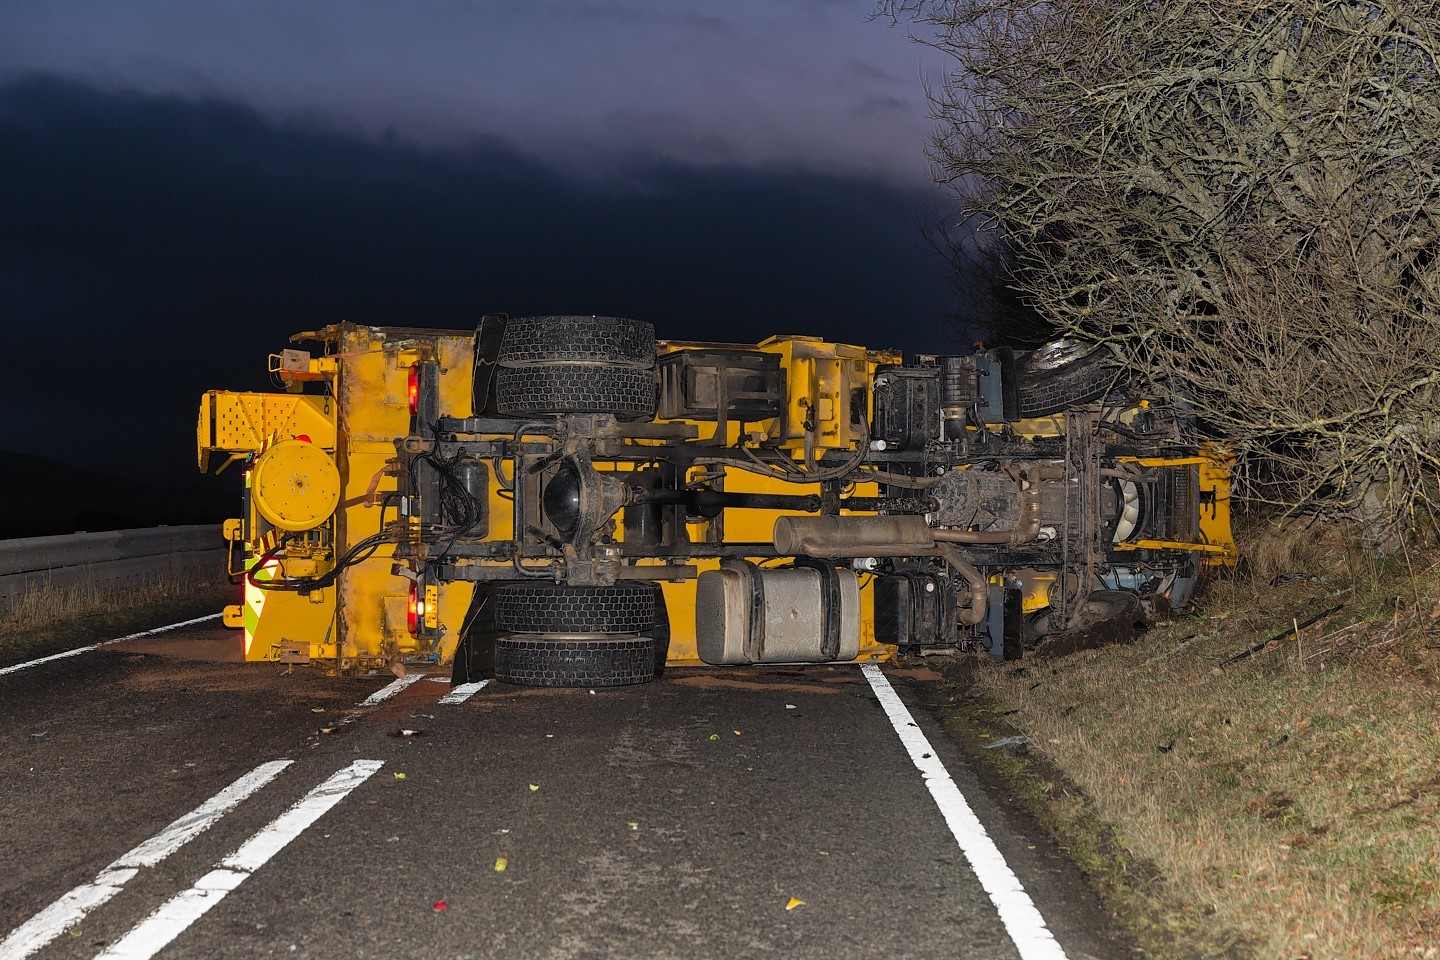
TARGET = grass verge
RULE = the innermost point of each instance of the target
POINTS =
(1239, 784)
(47, 619)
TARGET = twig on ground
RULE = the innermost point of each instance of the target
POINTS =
(1296, 628)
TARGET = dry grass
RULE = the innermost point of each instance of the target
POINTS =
(46, 617)
(1289, 799)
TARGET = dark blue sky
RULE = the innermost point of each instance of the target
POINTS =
(182, 191)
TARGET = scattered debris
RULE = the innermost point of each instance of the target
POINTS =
(1291, 577)
(1007, 742)
(1294, 628)
(794, 902)
(439, 906)
(408, 732)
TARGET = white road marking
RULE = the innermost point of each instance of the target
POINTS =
(104, 643)
(1018, 913)
(70, 909)
(386, 692)
(156, 931)
(464, 692)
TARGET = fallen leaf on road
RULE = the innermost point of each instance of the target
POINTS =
(794, 902)
(399, 775)
(317, 709)
(633, 825)
(737, 733)
(714, 736)
(534, 787)
(501, 863)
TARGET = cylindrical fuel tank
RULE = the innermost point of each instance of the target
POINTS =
(750, 614)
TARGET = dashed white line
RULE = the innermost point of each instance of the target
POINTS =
(70, 909)
(14, 668)
(1018, 913)
(463, 692)
(155, 932)
(388, 691)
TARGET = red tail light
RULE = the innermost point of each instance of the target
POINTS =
(414, 389)
(414, 610)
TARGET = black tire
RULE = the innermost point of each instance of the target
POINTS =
(532, 661)
(560, 608)
(1046, 391)
(556, 388)
(611, 340)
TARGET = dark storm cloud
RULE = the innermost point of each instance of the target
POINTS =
(581, 83)
(156, 247)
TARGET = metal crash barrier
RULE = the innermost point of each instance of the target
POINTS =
(115, 559)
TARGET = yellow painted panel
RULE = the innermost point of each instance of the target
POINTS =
(240, 423)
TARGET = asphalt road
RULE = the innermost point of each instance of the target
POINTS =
(145, 811)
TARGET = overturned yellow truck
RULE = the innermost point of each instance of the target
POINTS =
(566, 501)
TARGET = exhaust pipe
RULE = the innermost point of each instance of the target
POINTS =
(899, 536)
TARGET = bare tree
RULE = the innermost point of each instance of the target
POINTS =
(1241, 198)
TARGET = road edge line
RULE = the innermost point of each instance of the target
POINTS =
(17, 667)
(1018, 914)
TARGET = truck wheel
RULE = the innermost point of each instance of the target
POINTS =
(559, 661)
(1062, 375)
(560, 608)
(562, 364)
(548, 389)
(544, 340)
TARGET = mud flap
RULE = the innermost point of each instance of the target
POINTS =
(1003, 621)
(475, 654)
(661, 633)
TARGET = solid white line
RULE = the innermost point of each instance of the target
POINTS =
(156, 931)
(464, 692)
(70, 909)
(105, 643)
(386, 692)
(1021, 919)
